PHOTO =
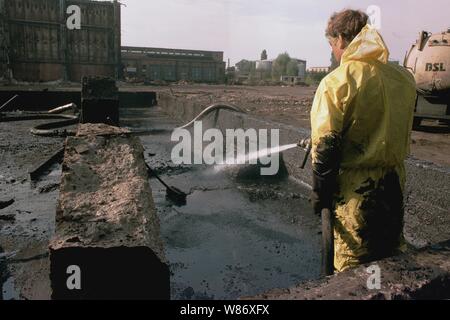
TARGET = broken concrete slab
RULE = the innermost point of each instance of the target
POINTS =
(106, 222)
(99, 129)
(41, 168)
(417, 275)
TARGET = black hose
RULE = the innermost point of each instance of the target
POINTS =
(50, 129)
(327, 242)
(214, 107)
(46, 129)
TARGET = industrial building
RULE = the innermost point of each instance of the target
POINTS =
(263, 66)
(301, 69)
(36, 44)
(319, 69)
(171, 65)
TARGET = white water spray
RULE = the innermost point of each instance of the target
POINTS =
(247, 158)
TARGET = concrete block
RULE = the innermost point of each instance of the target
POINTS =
(107, 229)
(99, 101)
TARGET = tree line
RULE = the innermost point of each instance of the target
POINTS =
(283, 65)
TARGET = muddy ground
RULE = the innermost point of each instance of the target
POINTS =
(27, 225)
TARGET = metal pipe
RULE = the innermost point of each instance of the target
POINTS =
(63, 108)
(8, 102)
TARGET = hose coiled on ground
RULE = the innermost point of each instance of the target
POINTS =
(50, 129)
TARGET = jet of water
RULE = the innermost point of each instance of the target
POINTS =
(263, 153)
(248, 158)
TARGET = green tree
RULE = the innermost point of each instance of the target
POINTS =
(292, 68)
(246, 66)
(267, 75)
(279, 66)
(314, 78)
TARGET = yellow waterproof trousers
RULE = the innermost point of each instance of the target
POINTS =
(368, 216)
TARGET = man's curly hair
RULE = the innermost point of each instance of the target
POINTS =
(347, 23)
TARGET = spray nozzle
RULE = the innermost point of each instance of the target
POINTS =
(306, 145)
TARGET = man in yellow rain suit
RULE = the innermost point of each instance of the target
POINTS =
(361, 126)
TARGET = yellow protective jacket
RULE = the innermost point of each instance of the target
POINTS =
(361, 127)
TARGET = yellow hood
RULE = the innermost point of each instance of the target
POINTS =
(368, 45)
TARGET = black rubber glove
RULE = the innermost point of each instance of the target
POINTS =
(324, 188)
(325, 172)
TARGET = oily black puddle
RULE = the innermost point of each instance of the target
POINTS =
(224, 245)
(234, 237)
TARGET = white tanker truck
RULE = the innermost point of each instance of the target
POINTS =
(429, 62)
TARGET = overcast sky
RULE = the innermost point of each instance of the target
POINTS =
(243, 28)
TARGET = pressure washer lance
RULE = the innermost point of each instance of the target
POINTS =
(327, 222)
(306, 145)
